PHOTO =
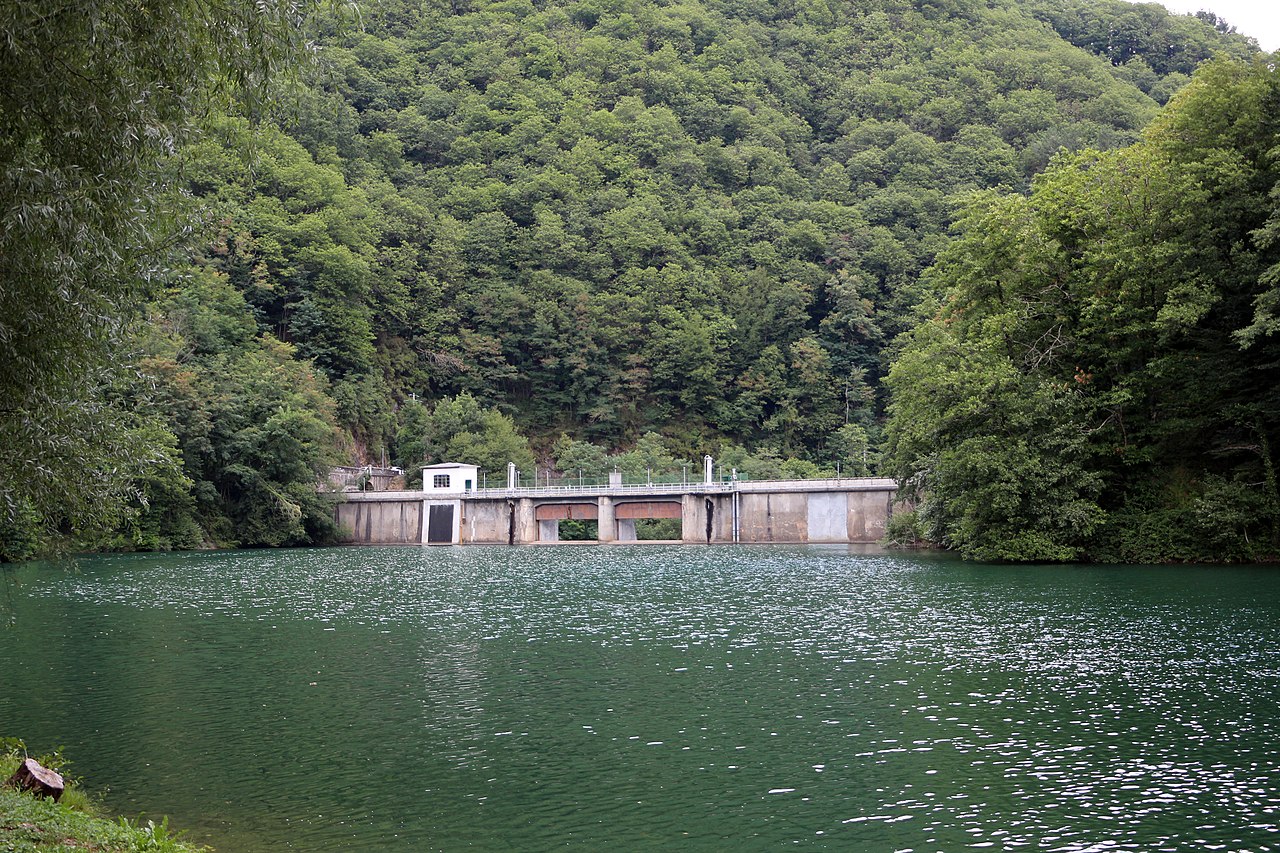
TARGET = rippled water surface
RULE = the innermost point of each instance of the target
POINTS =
(656, 698)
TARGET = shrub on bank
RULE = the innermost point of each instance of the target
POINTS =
(74, 822)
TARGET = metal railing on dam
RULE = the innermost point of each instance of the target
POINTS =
(832, 484)
(834, 510)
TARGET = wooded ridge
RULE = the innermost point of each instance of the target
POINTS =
(622, 232)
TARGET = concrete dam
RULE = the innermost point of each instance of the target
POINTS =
(450, 511)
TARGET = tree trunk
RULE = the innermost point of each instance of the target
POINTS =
(39, 780)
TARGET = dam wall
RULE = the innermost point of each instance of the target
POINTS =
(836, 511)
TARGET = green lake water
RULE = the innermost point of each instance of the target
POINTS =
(655, 698)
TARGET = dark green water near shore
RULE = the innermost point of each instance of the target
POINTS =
(656, 698)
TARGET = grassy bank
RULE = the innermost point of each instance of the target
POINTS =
(75, 823)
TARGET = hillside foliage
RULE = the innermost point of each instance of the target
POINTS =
(567, 233)
(1098, 378)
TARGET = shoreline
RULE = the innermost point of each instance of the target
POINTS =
(28, 823)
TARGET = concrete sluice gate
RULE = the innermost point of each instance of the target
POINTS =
(849, 511)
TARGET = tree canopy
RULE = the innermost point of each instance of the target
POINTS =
(97, 95)
(697, 218)
(1099, 375)
(657, 229)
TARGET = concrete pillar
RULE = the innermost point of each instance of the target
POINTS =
(626, 530)
(869, 512)
(693, 524)
(526, 526)
(827, 517)
(607, 528)
(549, 531)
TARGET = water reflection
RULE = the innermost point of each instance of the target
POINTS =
(681, 698)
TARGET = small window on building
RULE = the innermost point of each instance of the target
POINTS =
(440, 481)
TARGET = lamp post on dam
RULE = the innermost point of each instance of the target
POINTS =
(453, 508)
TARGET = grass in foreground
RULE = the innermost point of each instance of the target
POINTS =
(73, 824)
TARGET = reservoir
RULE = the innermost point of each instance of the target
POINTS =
(655, 698)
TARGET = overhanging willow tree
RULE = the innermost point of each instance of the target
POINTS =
(97, 96)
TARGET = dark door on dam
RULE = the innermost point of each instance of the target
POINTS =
(440, 525)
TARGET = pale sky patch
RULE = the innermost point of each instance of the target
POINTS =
(1257, 18)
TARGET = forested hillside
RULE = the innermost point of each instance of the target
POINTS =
(705, 219)
(701, 221)
(698, 226)
(1100, 374)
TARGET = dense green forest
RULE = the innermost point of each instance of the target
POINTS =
(602, 233)
(1100, 374)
